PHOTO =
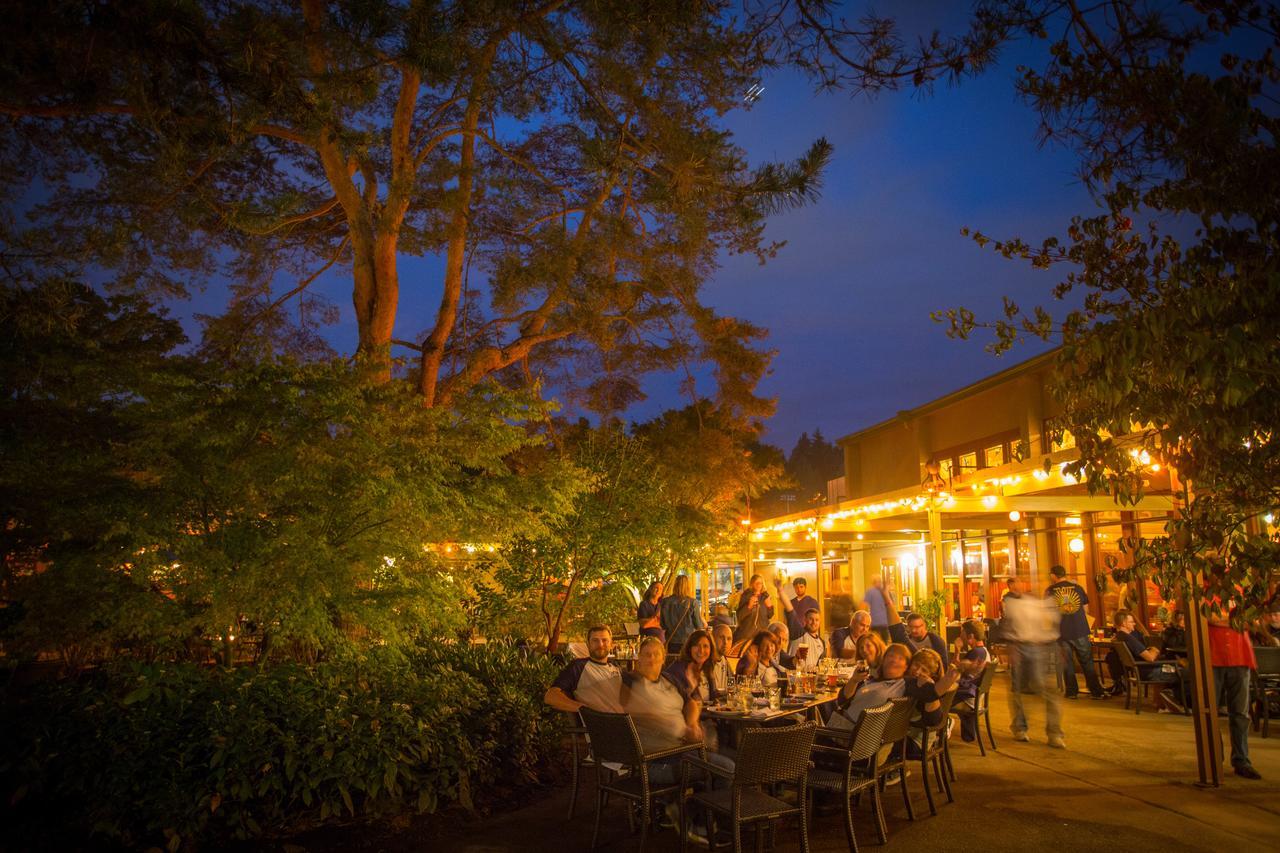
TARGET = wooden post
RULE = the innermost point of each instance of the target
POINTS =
(1204, 688)
(819, 581)
(935, 561)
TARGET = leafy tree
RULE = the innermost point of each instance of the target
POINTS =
(198, 500)
(1173, 356)
(568, 152)
(614, 534)
(814, 461)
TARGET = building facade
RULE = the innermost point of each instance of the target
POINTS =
(948, 499)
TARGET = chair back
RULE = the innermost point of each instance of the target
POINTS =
(945, 702)
(613, 737)
(1122, 652)
(899, 722)
(773, 755)
(984, 685)
(865, 741)
(1268, 660)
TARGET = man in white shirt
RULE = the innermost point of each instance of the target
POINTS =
(591, 681)
(1030, 629)
(815, 648)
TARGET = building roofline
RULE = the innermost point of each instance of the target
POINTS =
(967, 391)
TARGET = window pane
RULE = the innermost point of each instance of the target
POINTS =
(944, 469)
(994, 455)
(968, 462)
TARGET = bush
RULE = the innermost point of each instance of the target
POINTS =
(176, 754)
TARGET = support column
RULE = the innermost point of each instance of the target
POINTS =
(819, 578)
(935, 564)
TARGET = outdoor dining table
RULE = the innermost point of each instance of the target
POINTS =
(806, 704)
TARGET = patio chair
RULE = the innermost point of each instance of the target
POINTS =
(767, 759)
(933, 751)
(891, 757)
(1136, 674)
(981, 708)
(614, 739)
(1266, 686)
(856, 757)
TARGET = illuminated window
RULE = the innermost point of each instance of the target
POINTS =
(994, 456)
(1064, 441)
(968, 462)
(944, 469)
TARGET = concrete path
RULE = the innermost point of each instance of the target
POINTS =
(1125, 783)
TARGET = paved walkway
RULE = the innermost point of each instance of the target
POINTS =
(1126, 783)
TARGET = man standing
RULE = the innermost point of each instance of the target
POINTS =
(796, 607)
(1073, 634)
(810, 640)
(878, 607)
(1030, 629)
(591, 681)
(920, 637)
(1232, 657)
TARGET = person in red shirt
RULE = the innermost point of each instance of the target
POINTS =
(1232, 657)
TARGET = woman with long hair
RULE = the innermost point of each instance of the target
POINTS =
(647, 613)
(870, 648)
(678, 613)
(691, 671)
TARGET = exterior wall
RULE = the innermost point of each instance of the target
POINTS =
(1011, 407)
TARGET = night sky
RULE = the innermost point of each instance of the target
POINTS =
(847, 301)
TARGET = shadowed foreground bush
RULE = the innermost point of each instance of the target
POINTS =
(175, 754)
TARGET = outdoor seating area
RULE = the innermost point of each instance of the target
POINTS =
(495, 427)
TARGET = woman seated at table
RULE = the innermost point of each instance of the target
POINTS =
(692, 670)
(758, 661)
(865, 691)
(927, 684)
(870, 649)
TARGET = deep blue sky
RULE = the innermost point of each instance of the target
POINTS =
(847, 301)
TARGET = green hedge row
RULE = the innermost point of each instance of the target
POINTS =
(175, 754)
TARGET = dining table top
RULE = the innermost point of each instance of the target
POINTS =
(763, 714)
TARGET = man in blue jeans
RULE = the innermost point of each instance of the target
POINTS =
(1232, 657)
(1073, 637)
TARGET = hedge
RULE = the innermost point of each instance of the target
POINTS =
(178, 755)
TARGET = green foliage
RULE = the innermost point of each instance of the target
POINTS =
(1173, 356)
(197, 499)
(172, 754)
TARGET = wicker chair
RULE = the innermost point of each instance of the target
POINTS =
(766, 757)
(857, 758)
(1136, 673)
(892, 756)
(981, 707)
(933, 750)
(1265, 686)
(582, 761)
(614, 739)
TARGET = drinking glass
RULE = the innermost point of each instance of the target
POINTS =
(775, 698)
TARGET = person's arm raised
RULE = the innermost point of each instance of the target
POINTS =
(786, 603)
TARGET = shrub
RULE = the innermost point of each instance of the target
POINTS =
(172, 754)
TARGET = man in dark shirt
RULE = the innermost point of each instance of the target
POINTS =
(1073, 634)
(796, 607)
(1146, 657)
(920, 637)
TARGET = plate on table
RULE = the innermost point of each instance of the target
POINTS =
(804, 697)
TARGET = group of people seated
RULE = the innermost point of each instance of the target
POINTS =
(665, 698)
